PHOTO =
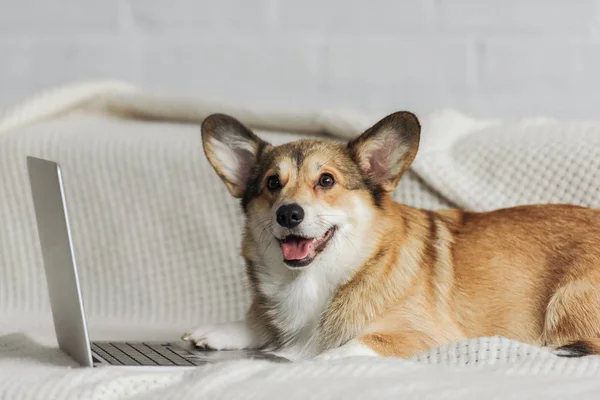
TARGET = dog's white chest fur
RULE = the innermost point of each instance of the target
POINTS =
(298, 299)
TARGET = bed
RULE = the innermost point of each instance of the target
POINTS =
(155, 257)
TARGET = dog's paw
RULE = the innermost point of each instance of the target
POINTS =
(351, 349)
(229, 336)
(335, 354)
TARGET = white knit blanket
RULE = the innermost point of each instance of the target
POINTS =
(157, 241)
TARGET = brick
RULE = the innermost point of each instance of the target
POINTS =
(587, 79)
(417, 64)
(15, 70)
(539, 77)
(514, 17)
(528, 104)
(527, 66)
(34, 64)
(241, 68)
(159, 16)
(353, 16)
(29, 17)
(379, 101)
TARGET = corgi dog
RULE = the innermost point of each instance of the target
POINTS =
(337, 268)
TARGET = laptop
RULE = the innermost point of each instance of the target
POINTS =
(66, 303)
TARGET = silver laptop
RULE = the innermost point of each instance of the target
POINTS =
(66, 303)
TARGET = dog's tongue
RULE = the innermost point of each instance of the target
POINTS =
(297, 248)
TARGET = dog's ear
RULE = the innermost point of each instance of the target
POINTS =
(388, 148)
(232, 149)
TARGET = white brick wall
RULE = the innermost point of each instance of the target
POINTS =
(488, 57)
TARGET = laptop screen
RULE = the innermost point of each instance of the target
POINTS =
(59, 259)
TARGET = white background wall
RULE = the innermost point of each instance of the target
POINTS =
(488, 57)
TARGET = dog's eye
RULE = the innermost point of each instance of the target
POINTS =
(273, 182)
(326, 181)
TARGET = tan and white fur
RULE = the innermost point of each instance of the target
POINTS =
(337, 268)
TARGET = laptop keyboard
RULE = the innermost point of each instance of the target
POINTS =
(124, 353)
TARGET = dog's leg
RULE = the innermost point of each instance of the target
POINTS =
(226, 336)
(402, 344)
(353, 348)
(248, 334)
(572, 323)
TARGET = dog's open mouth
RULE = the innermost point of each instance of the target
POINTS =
(300, 251)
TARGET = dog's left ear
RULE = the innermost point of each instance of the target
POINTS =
(232, 149)
(388, 148)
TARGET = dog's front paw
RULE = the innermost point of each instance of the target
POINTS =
(335, 354)
(351, 349)
(228, 336)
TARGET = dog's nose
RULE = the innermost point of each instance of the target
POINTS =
(290, 215)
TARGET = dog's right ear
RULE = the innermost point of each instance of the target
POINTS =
(388, 148)
(232, 149)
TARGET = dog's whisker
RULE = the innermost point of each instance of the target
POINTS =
(266, 248)
(261, 223)
(268, 230)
